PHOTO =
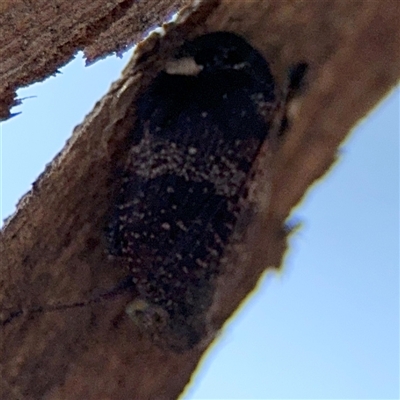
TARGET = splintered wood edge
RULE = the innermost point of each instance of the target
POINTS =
(37, 38)
(350, 71)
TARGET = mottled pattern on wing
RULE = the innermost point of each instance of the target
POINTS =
(194, 145)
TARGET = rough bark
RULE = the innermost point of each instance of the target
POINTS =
(52, 250)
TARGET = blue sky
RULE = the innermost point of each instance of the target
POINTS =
(327, 326)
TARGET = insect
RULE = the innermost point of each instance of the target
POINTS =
(200, 126)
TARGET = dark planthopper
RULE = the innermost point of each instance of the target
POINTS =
(200, 126)
(186, 184)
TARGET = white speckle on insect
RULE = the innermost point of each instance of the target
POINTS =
(166, 226)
